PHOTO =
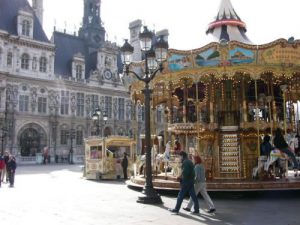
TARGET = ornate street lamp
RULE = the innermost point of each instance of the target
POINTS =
(153, 65)
(99, 116)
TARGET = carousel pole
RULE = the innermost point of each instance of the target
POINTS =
(283, 89)
(245, 117)
(255, 77)
(274, 103)
(269, 100)
(198, 119)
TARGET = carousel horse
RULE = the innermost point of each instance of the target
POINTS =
(277, 156)
(264, 163)
(156, 162)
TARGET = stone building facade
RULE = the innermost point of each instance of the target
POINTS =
(51, 88)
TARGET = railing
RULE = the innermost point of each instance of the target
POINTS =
(27, 159)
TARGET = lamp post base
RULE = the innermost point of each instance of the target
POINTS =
(149, 196)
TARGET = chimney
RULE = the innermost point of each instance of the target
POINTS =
(37, 6)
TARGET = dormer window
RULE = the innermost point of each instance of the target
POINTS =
(25, 22)
(26, 28)
(25, 61)
(78, 66)
(78, 72)
(43, 64)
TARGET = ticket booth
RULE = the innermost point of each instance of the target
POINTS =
(103, 156)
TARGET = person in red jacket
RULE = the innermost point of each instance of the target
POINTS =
(2, 167)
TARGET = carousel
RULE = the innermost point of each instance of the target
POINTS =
(220, 100)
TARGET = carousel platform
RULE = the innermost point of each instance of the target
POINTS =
(163, 183)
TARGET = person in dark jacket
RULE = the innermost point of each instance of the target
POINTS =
(11, 168)
(281, 144)
(186, 183)
(266, 147)
(125, 165)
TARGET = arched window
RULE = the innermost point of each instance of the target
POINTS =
(79, 72)
(43, 64)
(9, 59)
(25, 61)
(34, 63)
(25, 27)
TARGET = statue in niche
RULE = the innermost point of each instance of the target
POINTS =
(73, 103)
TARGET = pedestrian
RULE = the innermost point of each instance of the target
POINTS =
(125, 165)
(45, 155)
(186, 180)
(118, 169)
(177, 147)
(266, 147)
(5, 171)
(2, 167)
(11, 166)
(281, 144)
(200, 186)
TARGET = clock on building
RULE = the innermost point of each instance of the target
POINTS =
(107, 74)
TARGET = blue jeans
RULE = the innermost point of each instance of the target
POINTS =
(187, 186)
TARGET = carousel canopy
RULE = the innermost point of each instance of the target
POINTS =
(228, 25)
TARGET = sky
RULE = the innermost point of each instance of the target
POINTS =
(186, 21)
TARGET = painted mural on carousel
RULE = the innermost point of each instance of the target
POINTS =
(279, 52)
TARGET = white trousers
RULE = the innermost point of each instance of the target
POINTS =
(201, 187)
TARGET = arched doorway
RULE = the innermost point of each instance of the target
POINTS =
(32, 139)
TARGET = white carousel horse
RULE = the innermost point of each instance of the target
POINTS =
(156, 162)
(275, 155)
(265, 162)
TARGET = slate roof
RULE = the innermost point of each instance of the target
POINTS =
(67, 46)
(8, 18)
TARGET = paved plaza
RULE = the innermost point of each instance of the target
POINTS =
(58, 195)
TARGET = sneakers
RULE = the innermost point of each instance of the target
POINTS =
(174, 211)
(186, 209)
(211, 210)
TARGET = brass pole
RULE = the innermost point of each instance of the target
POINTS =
(283, 89)
(255, 77)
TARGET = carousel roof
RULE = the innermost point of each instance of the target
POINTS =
(228, 25)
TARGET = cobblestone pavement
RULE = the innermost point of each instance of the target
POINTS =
(58, 195)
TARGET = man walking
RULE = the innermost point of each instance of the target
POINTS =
(200, 186)
(186, 183)
(125, 165)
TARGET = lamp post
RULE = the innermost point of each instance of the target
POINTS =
(154, 57)
(3, 133)
(99, 116)
(72, 136)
